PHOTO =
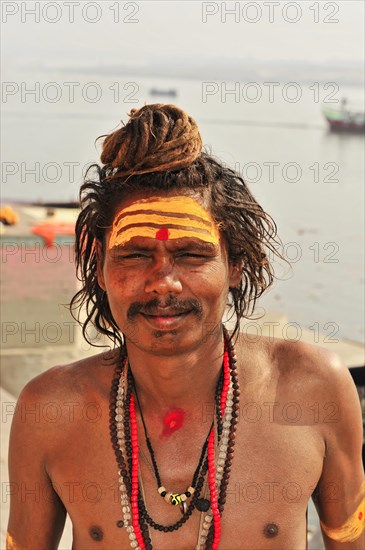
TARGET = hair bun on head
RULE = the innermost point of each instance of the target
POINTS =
(156, 138)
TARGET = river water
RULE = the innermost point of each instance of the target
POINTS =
(310, 180)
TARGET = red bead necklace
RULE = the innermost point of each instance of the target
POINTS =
(134, 475)
(211, 464)
(227, 404)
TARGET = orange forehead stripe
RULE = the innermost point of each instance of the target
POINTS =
(164, 218)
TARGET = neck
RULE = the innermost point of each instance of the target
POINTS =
(185, 381)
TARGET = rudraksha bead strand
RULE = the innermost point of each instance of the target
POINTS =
(233, 426)
(207, 526)
(121, 429)
(218, 410)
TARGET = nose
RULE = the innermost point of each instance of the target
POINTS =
(163, 278)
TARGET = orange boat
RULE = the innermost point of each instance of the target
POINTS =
(48, 231)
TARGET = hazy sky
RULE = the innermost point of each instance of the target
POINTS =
(87, 33)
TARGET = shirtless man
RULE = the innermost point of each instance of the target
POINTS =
(173, 427)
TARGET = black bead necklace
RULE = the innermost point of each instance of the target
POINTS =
(177, 498)
(200, 473)
(125, 464)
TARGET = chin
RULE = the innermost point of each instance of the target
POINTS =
(166, 342)
(170, 342)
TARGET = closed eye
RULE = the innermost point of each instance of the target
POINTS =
(134, 256)
(191, 255)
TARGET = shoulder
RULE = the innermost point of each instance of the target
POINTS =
(312, 365)
(61, 403)
(308, 379)
(309, 359)
(78, 379)
(297, 365)
(55, 400)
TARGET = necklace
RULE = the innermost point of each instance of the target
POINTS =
(142, 508)
(228, 437)
(124, 437)
(172, 497)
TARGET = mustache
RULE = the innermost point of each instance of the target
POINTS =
(150, 307)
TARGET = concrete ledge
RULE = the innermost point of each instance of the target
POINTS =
(20, 365)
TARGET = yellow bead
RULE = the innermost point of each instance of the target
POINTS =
(175, 499)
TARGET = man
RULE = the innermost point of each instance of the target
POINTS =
(183, 436)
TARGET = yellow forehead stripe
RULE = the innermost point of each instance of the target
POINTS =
(164, 218)
(352, 529)
(178, 204)
(160, 220)
(151, 232)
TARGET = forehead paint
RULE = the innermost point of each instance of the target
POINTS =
(352, 529)
(163, 218)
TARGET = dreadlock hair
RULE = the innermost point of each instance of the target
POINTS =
(160, 150)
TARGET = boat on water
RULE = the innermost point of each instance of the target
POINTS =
(57, 222)
(168, 93)
(48, 231)
(344, 119)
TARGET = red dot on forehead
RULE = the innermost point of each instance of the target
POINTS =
(162, 234)
(360, 515)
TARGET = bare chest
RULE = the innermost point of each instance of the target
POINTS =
(275, 469)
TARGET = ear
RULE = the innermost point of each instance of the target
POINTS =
(100, 264)
(235, 273)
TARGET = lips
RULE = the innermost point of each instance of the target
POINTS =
(165, 319)
(171, 308)
(164, 313)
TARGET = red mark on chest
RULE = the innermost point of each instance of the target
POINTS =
(172, 421)
(162, 234)
(360, 515)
